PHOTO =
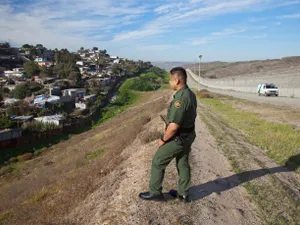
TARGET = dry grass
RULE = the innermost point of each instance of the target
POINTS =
(204, 93)
(149, 136)
(49, 191)
(277, 200)
(25, 157)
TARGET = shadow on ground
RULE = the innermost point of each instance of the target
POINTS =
(223, 184)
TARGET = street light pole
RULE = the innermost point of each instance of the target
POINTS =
(200, 56)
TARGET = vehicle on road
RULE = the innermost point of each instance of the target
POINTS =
(267, 89)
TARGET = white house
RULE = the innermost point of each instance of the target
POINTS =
(12, 73)
(54, 119)
(80, 63)
(75, 92)
(10, 101)
(116, 61)
(18, 69)
(83, 104)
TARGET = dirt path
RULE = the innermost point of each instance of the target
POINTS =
(233, 182)
(118, 202)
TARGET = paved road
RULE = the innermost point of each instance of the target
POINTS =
(279, 101)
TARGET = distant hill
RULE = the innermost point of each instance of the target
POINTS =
(225, 69)
(168, 65)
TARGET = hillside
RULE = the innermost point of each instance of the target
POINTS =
(247, 68)
(95, 177)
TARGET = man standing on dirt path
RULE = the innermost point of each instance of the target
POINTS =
(177, 140)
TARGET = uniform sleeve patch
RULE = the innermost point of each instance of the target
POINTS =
(178, 104)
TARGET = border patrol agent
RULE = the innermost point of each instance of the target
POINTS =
(177, 140)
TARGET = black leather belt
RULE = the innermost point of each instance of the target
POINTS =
(185, 130)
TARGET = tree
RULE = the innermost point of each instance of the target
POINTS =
(103, 52)
(5, 45)
(95, 48)
(39, 46)
(32, 52)
(27, 46)
(81, 49)
(31, 69)
(5, 122)
(75, 76)
(116, 68)
(24, 90)
(20, 91)
(100, 62)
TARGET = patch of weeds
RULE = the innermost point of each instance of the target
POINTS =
(6, 170)
(149, 136)
(93, 155)
(280, 140)
(4, 215)
(277, 203)
(40, 196)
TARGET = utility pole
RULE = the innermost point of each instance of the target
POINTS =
(200, 56)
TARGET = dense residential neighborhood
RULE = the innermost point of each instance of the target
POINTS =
(49, 89)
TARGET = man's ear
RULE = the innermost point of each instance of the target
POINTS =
(177, 81)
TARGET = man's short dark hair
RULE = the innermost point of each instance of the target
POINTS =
(180, 72)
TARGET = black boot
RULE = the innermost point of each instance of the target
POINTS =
(184, 198)
(151, 197)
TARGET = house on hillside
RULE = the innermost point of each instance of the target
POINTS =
(54, 119)
(13, 73)
(44, 80)
(55, 91)
(116, 61)
(41, 100)
(74, 92)
(83, 103)
(43, 62)
(113, 57)
(80, 63)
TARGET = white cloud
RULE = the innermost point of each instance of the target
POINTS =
(166, 8)
(191, 12)
(277, 23)
(216, 35)
(65, 23)
(291, 16)
(260, 36)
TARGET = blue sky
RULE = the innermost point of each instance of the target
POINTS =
(158, 30)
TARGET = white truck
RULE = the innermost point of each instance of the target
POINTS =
(267, 89)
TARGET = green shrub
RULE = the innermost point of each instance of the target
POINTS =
(6, 122)
(39, 127)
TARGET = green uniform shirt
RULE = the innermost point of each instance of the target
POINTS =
(182, 110)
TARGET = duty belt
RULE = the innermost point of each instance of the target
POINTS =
(185, 130)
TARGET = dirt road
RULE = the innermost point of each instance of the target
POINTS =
(279, 101)
(212, 205)
(218, 192)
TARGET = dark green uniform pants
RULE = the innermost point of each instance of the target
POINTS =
(160, 161)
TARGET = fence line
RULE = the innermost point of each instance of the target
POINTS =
(288, 84)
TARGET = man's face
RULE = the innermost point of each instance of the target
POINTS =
(173, 82)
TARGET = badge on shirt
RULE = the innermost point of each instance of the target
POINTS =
(178, 104)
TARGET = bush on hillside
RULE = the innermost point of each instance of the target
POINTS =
(6, 122)
(139, 84)
(25, 157)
